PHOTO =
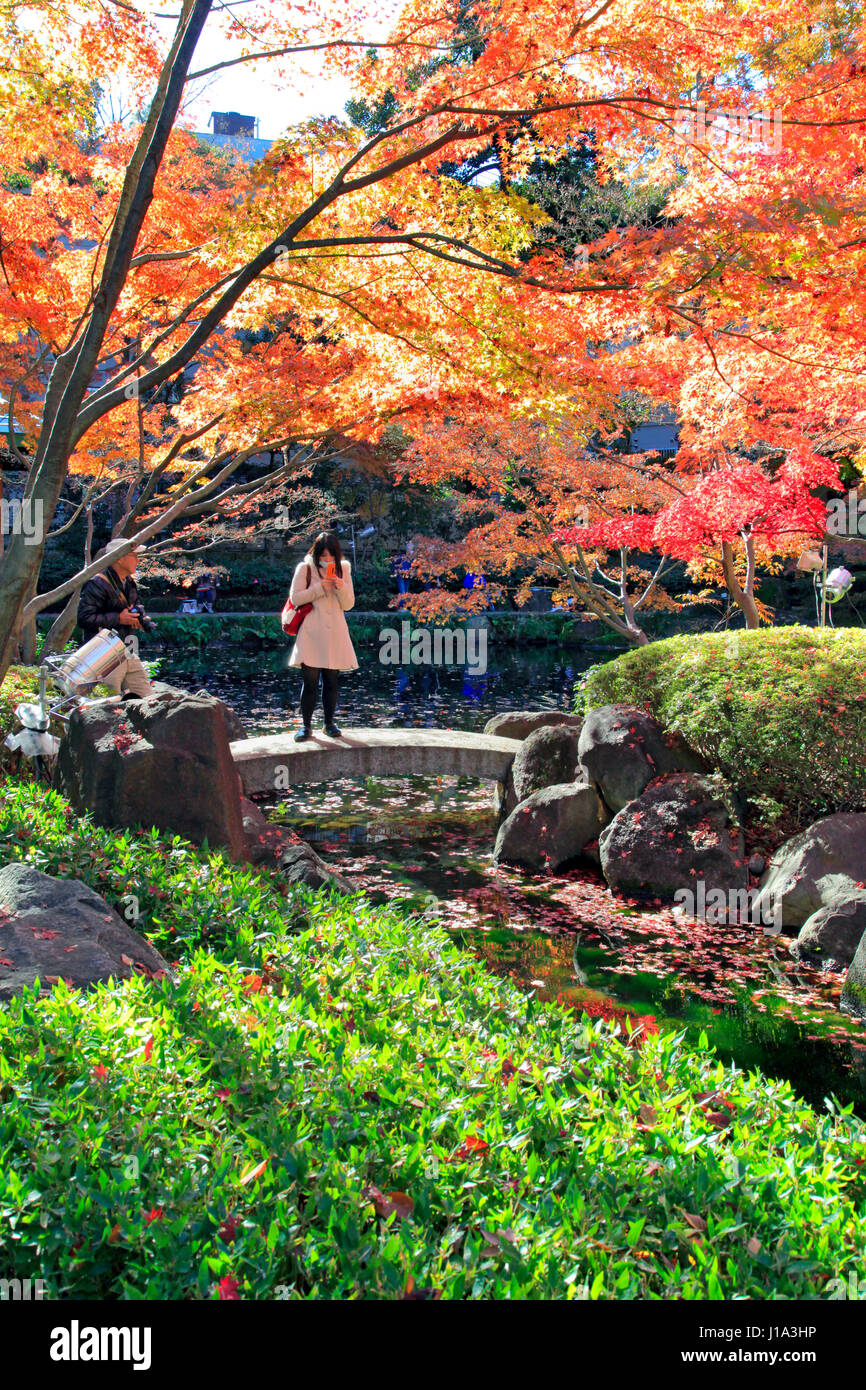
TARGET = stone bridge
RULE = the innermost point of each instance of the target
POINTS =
(275, 761)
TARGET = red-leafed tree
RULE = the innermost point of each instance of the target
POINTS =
(729, 522)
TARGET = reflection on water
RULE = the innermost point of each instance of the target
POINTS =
(265, 690)
(427, 842)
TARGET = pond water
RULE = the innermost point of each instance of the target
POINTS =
(428, 842)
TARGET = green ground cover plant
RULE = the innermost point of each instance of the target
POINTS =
(330, 1099)
(780, 711)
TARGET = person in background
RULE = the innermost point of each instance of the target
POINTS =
(110, 600)
(323, 647)
(401, 568)
(205, 592)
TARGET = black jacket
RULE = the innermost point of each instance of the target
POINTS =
(101, 600)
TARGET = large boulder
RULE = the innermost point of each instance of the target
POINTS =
(622, 749)
(164, 762)
(853, 999)
(547, 758)
(678, 833)
(522, 723)
(53, 928)
(277, 846)
(823, 866)
(833, 933)
(551, 827)
(235, 727)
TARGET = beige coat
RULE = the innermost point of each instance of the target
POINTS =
(324, 636)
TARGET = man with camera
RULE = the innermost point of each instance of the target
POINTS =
(110, 600)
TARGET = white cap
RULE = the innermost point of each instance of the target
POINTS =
(121, 541)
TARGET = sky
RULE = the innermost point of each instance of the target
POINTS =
(247, 88)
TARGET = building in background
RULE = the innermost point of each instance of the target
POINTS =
(657, 433)
(235, 131)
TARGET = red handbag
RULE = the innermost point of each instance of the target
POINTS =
(291, 617)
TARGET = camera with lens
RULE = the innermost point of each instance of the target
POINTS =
(148, 625)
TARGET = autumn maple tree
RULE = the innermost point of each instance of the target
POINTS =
(523, 491)
(389, 287)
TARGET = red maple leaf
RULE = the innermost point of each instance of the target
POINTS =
(229, 1228)
(472, 1147)
(229, 1288)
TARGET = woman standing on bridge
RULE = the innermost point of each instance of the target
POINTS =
(323, 648)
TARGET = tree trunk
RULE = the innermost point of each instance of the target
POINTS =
(72, 371)
(28, 636)
(61, 629)
(740, 596)
(636, 634)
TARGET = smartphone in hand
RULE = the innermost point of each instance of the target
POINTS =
(331, 572)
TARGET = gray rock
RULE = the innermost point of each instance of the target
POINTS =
(546, 758)
(551, 827)
(522, 723)
(164, 762)
(504, 796)
(622, 749)
(300, 864)
(823, 866)
(677, 832)
(53, 928)
(282, 848)
(853, 999)
(234, 725)
(833, 933)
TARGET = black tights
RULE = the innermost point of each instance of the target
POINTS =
(310, 692)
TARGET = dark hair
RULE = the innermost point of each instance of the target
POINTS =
(326, 540)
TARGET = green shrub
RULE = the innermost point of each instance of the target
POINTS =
(781, 712)
(237, 1133)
